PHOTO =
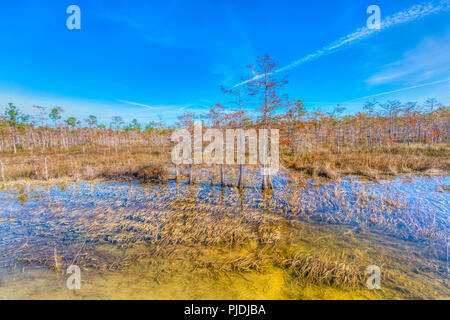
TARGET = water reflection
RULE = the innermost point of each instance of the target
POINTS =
(111, 226)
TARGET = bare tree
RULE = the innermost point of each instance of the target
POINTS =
(265, 86)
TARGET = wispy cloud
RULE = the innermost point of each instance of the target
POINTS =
(167, 108)
(171, 108)
(402, 89)
(413, 13)
(137, 104)
(429, 60)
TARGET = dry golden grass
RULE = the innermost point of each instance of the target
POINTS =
(140, 163)
(152, 163)
(371, 162)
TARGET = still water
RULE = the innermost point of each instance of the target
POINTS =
(304, 240)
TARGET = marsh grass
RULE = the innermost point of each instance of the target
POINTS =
(139, 164)
(371, 163)
(153, 164)
(205, 241)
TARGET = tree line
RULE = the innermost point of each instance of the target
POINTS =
(20, 131)
(258, 103)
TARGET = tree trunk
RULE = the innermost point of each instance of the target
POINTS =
(241, 176)
(3, 170)
(222, 182)
(191, 174)
(45, 169)
(13, 135)
(241, 161)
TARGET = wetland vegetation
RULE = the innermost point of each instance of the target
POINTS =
(302, 240)
(353, 191)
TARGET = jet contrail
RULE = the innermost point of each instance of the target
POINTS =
(399, 90)
(413, 13)
(159, 107)
(137, 104)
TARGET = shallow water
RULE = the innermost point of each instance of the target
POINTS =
(175, 241)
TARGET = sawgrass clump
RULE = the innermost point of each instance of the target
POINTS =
(370, 162)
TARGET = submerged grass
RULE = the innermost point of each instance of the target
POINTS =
(247, 272)
(200, 242)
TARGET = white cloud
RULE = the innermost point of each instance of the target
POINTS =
(432, 83)
(155, 107)
(413, 13)
(429, 60)
(72, 107)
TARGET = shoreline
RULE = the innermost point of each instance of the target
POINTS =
(298, 175)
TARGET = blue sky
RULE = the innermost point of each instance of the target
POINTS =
(157, 59)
